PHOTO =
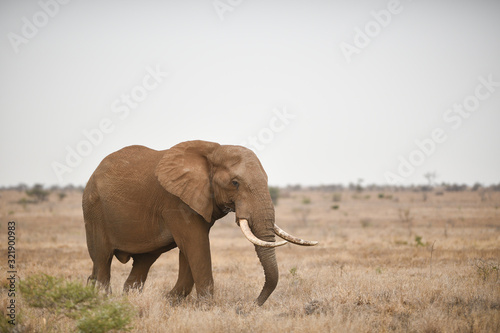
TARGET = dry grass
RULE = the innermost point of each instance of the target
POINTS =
(368, 273)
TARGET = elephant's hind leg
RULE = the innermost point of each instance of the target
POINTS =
(101, 255)
(140, 268)
(101, 272)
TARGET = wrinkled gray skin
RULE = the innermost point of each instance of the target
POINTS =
(141, 203)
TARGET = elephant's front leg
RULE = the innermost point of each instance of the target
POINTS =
(200, 263)
(185, 280)
(195, 247)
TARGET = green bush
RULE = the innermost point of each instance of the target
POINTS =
(49, 292)
(108, 316)
(94, 311)
(418, 240)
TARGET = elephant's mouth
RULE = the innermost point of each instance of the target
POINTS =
(228, 209)
(243, 224)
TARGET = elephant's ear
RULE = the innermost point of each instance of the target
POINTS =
(184, 171)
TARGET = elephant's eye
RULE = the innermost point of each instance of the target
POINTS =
(235, 183)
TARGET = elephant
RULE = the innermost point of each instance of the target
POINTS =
(141, 202)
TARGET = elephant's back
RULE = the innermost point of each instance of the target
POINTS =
(129, 159)
(131, 164)
(123, 175)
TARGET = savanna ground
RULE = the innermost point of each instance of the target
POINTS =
(387, 261)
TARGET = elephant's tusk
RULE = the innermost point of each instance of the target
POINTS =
(292, 239)
(252, 238)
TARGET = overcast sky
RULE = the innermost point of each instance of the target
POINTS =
(323, 91)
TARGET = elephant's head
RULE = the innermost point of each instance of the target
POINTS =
(214, 179)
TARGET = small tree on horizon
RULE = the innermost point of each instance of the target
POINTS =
(431, 178)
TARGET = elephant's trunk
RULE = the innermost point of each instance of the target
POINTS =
(263, 228)
(267, 257)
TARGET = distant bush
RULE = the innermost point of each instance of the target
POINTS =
(476, 186)
(38, 193)
(275, 194)
(24, 202)
(360, 196)
(418, 241)
(454, 187)
(296, 187)
(495, 187)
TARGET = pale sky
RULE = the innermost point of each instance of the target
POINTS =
(323, 91)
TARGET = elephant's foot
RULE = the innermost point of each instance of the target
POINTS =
(206, 293)
(181, 293)
(175, 298)
(133, 285)
(91, 281)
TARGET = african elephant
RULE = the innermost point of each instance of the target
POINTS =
(141, 202)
